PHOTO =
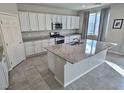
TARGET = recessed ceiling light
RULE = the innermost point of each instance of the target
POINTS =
(83, 6)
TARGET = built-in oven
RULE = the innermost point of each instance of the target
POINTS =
(59, 39)
(56, 26)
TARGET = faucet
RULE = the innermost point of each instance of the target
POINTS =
(78, 40)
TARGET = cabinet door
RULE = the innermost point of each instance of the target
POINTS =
(48, 22)
(54, 19)
(37, 47)
(64, 22)
(71, 38)
(67, 39)
(29, 48)
(68, 22)
(44, 44)
(59, 19)
(33, 21)
(77, 19)
(41, 21)
(24, 21)
(51, 42)
(73, 22)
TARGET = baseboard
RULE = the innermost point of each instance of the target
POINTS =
(38, 54)
(59, 81)
(115, 52)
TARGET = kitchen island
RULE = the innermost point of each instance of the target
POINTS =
(70, 61)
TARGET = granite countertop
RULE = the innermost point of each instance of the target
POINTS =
(43, 38)
(1, 53)
(76, 53)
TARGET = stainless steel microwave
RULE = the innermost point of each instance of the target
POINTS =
(56, 26)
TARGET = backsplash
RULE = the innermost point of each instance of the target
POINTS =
(28, 35)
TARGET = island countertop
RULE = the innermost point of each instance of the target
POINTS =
(78, 52)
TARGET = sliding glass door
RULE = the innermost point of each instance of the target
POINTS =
(93, 25)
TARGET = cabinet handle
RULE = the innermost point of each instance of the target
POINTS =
(20, 42)
(6, 44)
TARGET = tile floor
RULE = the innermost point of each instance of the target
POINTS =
(33, 74)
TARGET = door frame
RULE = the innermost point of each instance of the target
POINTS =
(3, 41)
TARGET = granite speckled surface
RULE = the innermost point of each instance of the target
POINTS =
(43, 38)
(78, 52)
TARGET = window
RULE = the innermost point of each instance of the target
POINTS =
(93, 24)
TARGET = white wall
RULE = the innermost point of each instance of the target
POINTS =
(81, 14)
(8, 8)
(43, 9)
(116, 35)
(0, 42)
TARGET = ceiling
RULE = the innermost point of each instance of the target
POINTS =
(72, 6)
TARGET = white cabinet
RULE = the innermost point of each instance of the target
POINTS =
(73, 22)
(37, 47)
(48, 22)
(59, 19)
(54, 19)
(68, 22)
(41, 21)
(44, 43)
(29, 48)
(77, 20)
(24, 21)
(67, 39)
(51, 42)
(64, 22)
(33, 21)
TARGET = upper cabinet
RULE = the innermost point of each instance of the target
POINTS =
(68, 22)
(48, 22)
(54, 19)
(59, 19)
(41, 21)
(64, 22)
(33, 21)
(73, 22)
(24, 21)
(77, 20)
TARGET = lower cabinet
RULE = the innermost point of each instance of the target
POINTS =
(29, 48)
(37, 47)
(44, 44)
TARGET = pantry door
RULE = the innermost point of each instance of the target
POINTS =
(13, 43)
